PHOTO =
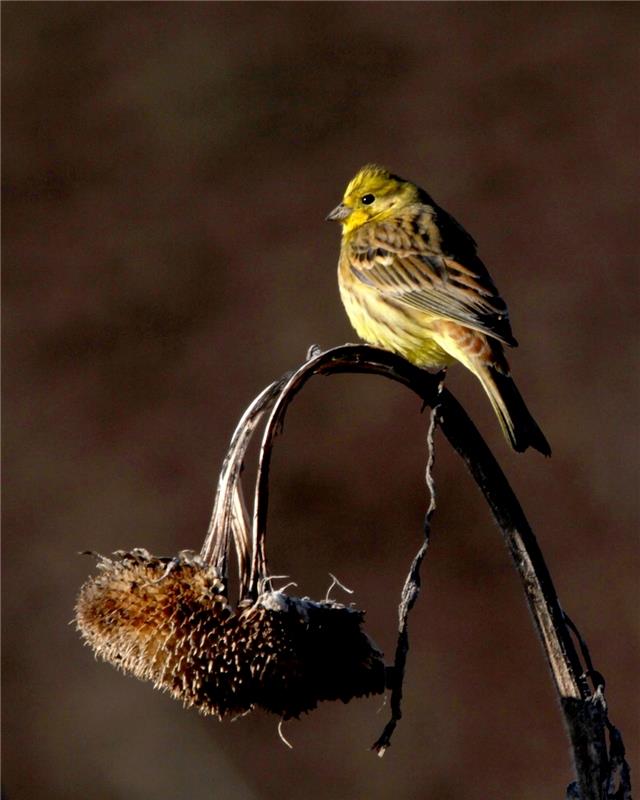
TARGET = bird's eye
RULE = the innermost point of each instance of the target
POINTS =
(367, 199)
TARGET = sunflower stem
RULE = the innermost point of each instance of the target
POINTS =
(582, 705)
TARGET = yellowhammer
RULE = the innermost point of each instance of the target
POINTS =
(412, 283)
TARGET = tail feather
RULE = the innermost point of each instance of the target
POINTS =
(516, 421)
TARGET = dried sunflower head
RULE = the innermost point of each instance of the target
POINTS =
(164, 620)
(169, 621)
(305, 652)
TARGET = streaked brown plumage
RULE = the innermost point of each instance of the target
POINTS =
(411, 282)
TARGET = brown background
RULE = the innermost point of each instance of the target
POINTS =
(167, 170)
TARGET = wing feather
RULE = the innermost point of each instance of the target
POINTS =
(408, 259)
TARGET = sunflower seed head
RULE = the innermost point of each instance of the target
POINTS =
(168, 621)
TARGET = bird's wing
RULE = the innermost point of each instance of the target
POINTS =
(413, 261)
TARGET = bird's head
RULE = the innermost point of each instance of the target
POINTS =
(374, 194)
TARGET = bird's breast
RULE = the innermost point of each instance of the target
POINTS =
(385, 322)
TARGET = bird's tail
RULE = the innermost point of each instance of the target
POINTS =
(518, 425)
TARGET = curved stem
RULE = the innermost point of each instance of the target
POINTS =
(348, 358)
(465, 439)
(569, 676)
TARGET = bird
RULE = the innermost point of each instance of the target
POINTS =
(412, 283)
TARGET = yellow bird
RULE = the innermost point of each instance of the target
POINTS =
(412, 283)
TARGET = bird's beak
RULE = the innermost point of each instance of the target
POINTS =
(340, 213)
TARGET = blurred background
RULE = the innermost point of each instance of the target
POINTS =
(167, 168)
